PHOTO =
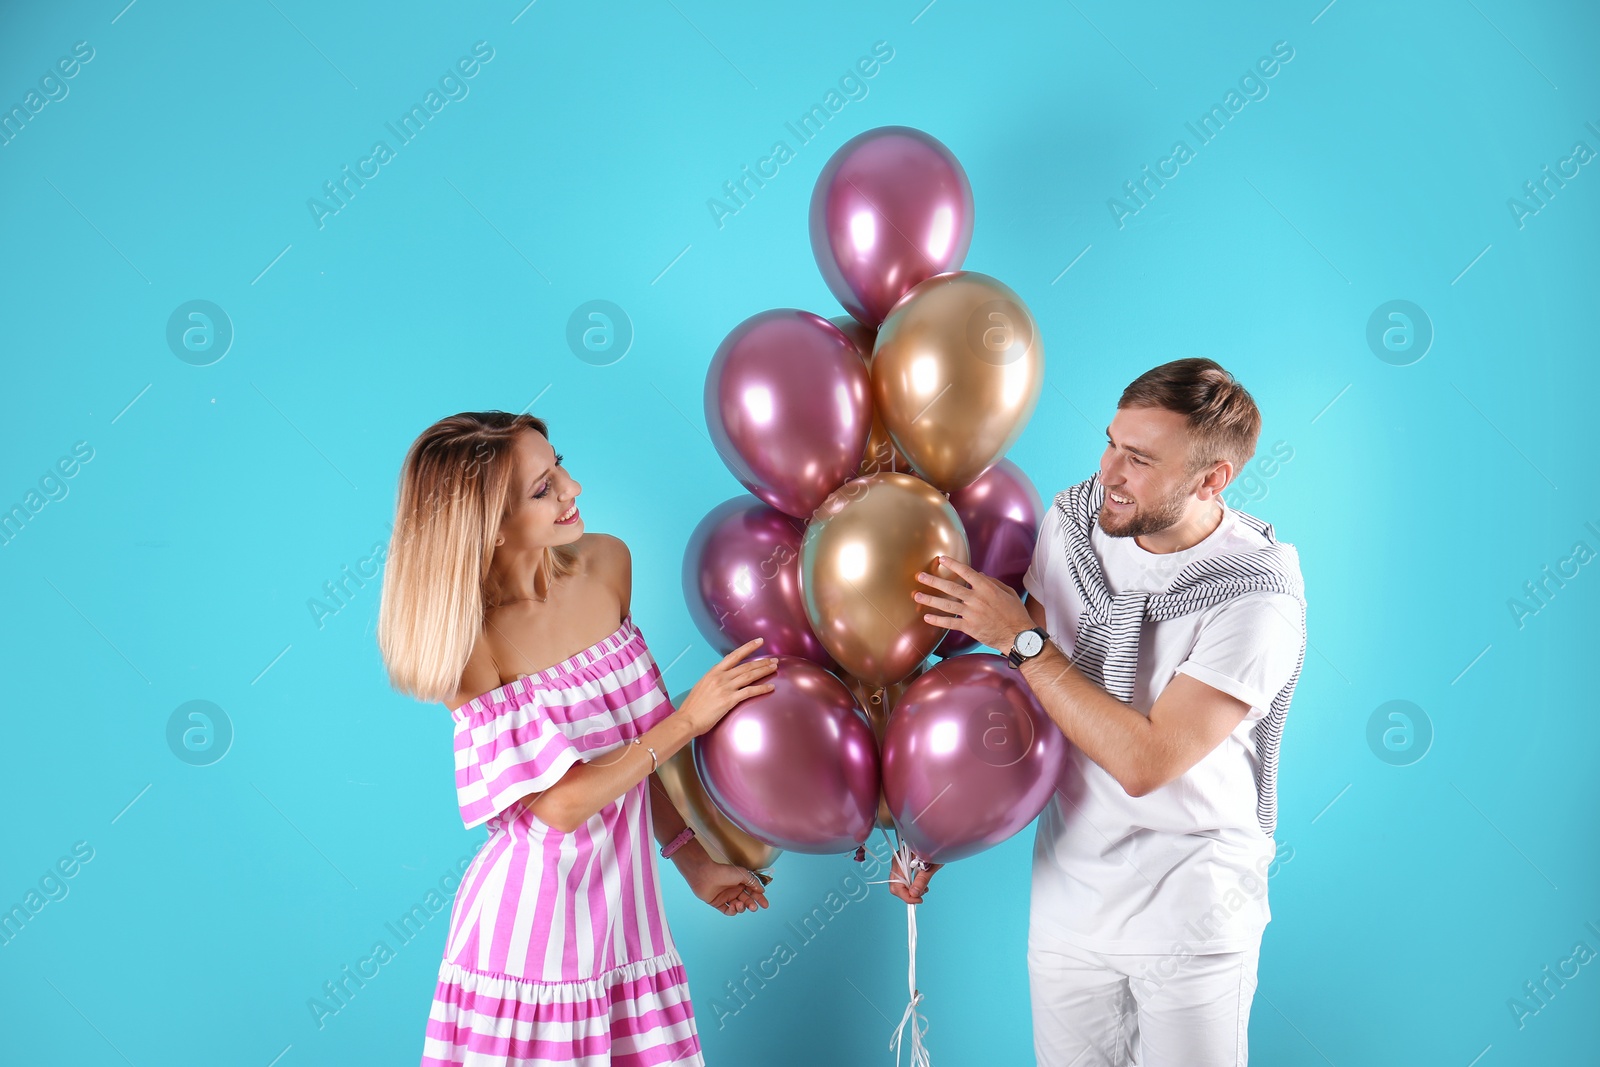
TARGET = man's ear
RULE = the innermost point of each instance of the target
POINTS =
(1220, 478)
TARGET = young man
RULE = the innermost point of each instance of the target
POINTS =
(1164, 633)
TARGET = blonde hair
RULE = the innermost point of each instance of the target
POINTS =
(1222, 417)
(456, 488)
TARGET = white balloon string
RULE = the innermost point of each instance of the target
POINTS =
(919, 1025)
(894, 848)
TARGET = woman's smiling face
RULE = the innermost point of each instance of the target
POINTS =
(542, 510)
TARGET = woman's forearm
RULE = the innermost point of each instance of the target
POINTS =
(587, 787)
(667, 820)
(669, 823)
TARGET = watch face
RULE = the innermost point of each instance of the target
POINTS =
(1029, 643)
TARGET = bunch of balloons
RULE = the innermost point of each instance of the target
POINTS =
(871, 444)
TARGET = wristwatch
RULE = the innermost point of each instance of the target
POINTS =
(1029, 644)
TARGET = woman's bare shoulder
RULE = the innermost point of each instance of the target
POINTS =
(520, 636)
(603, 548)
(606, 557)
(478, 677)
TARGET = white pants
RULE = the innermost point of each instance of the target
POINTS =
(1093, 1009)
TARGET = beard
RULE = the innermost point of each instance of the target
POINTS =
(1145, 519)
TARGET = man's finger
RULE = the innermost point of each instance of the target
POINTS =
(955, 565)
(940, 603)
(944, 585)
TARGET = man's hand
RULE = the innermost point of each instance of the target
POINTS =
(984, 608)
(914, 892)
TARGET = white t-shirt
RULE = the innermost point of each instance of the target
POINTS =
(1184, 866)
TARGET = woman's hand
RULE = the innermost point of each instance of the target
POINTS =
(726, 887)
(725, 685)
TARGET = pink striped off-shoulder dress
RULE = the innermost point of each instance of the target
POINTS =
(558, 950)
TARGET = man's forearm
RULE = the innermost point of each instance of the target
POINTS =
(1108, 731)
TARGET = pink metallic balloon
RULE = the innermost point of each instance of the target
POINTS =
(891, 207)
(788, 402)
(1001, 513)
(741, 579)
(797, 767)
(969, 757)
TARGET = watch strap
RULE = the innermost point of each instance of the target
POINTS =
(677, 842)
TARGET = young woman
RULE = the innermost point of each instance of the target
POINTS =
(497, 603)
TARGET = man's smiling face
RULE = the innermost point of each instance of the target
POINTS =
(1146, 464)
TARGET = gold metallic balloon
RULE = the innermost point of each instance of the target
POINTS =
(725, 842)
(956, 372)
(881, 455)
(879, 702)
(858, 570)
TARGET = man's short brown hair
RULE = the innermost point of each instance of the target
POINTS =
(1223, 420)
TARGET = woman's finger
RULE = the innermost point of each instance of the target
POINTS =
(739, 653)
(755, 667)
(739, 681)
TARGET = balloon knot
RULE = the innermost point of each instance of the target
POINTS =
(861, 853)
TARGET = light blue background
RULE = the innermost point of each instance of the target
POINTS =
(178, 566)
